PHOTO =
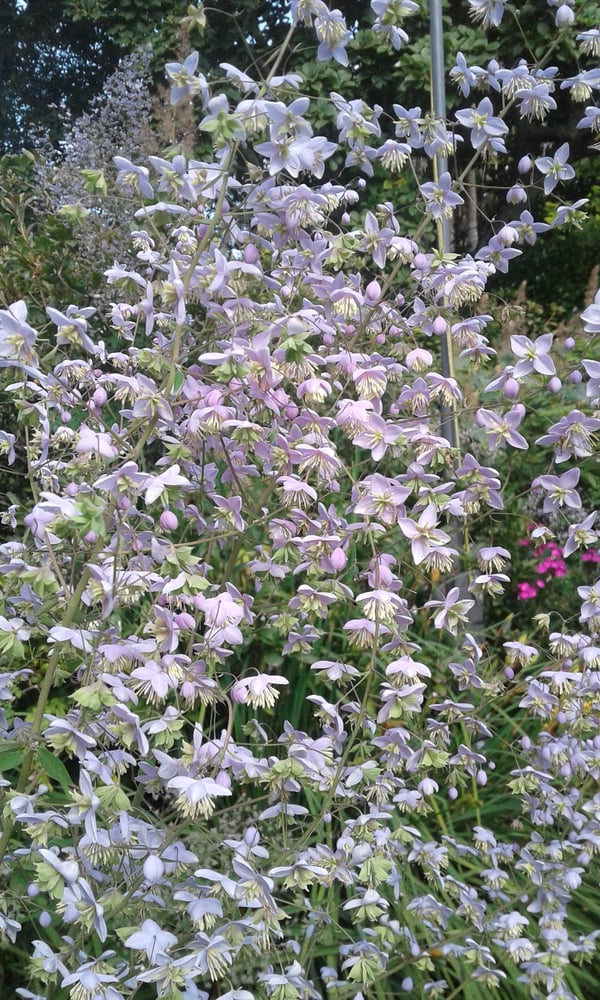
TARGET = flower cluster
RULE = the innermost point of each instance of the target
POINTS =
(242, 755)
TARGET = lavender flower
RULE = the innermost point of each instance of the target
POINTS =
(555, 168)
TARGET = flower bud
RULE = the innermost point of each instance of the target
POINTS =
(555, 384)
(439, 326)
(511, 388)
(569, 343)
(338, 559)
(168, 520)
(373, 291)
(481, 778)
(575, 378)
(564, 16)
(153, 869)
(524, 165)
(99, 397)
(453, 793)
(44, 919)
(516, 195)
(238, 694)
(185, 621)
(508, 235)
(250, 254)
(345, 220)
(419, 261)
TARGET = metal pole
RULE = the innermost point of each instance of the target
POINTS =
(438, 103)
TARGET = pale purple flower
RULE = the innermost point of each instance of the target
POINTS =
(591, 119)
(571, 435)
(535, 102)
(91, 442)
(570, 214)
(424, 535)
(440, 199)
(591, 316)
(407, 125)
(157, 486)
(555, 168)
(388, 27)
(528, 228)
(377, 436)
(533, 356)
(85, 982)
(451, 610)
(487, 12)
(185, 82)
(133, 176)
(466, 77)
(151, 939)
(582, 534)
(17, 338)
(196, 796)
(381, 498)
(333, 35)
(560, 490)
(590, 607)
(376, 240)
(259, 690)
(498, 253)
(486, 129)
(502, 429)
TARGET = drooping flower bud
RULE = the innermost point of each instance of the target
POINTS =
(373, 291)
(168, 520)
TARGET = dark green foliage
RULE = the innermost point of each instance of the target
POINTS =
(48, 64)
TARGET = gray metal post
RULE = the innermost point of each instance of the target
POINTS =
(438, 100)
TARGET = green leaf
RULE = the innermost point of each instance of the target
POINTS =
(9, 759)
(54, 768)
